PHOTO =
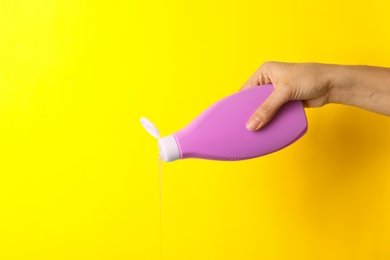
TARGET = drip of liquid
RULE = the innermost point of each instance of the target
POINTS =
(161, 206)
(153, 131)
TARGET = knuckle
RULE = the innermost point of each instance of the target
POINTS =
(263, 112)
(268, 64)
(258, 116)
(262, 115)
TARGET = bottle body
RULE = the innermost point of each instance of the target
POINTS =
(219, 133)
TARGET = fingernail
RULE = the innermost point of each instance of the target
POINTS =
(253, 123)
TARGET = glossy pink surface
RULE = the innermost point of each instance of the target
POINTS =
(219, 133)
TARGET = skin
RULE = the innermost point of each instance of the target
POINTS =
(319, 84)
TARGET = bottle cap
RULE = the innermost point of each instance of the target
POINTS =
(150, 127)
(169, 150)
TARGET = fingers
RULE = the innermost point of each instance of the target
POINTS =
(258, 78)
(278, 97)
(268, 109)
(252, 81)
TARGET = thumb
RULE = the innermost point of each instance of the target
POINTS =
(267, 110)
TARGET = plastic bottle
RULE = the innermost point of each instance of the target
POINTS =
(220, 133)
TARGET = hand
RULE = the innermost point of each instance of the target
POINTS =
(309, 82)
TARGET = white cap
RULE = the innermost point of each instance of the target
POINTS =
(169, 150)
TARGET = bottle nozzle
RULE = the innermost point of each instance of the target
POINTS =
(169, 150)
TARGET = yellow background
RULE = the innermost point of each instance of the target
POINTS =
(79, 175)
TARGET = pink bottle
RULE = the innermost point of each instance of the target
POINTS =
(220, 133)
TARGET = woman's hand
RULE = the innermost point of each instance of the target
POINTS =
(318, 84)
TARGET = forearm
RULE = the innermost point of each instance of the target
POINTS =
(361, 86)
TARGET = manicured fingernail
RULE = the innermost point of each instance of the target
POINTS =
(253, 123)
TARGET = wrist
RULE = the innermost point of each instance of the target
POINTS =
(341, 82)
(365, 87)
